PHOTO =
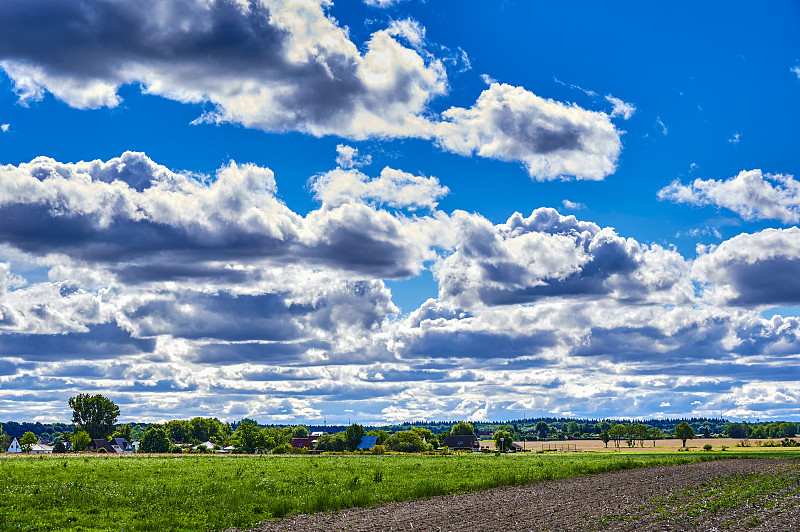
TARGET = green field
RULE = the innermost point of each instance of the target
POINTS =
(201, 492)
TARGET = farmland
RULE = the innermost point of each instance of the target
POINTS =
(215, 492)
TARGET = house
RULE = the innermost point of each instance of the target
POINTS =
(367, 443)
(485, 434)
(121, 445)
(211, 446)
(41, 448)
(15, 447)
(462, 443)
(97, 444)
(304, 443)
(313, 437)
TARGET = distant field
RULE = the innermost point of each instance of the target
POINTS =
(198, 492)
(670, 445)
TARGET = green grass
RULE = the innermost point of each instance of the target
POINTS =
(211, 493)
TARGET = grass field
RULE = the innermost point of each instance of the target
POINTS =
(200, 492)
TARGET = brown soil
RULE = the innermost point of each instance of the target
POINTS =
(650, 499)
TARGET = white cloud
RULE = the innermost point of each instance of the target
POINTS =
(664, 404)
(662, 126)
(382, 3)
(4, 127)
(751, 194)
(734, 139)
(277, 64)
(394, 188)
(348, 157)
(796, 71)
(752, 269)
(623, 109)
(549, 255)
(572, 205)
(489, 80)
(551, 139)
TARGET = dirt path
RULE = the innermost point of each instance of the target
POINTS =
(754, 495)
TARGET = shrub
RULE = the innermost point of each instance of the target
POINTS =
(378, 449)
(282, 449)
(789, 443)
(176, 450)
(707, 447)
(101, 450)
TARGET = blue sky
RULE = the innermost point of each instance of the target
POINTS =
(393, 210)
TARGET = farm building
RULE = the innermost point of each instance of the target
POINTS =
(15, 447)
(97, 444)
(41, 448)
(367, 443)
(462, 443)
(303, 443)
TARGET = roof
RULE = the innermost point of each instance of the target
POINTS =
(99, 443)
(367, 443)
(460, 442)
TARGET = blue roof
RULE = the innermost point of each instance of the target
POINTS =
(367, 442)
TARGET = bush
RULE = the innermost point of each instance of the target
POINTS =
(101, 450)
(176, 450)
(282, 449)
(789, 443)
(707, 447)
(378, 449)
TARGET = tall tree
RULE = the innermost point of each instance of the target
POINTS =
(300, 432)
(462, 429)
(684, 432)
(542, 429)
(94, 414)
(155, 440)
(352, 435)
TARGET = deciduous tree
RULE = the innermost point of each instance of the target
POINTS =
(352, 436)
(27, 441)
(502, 440)
(462, 428)
(684, 432)
(80, 439)
(94, 414)
(155, 440)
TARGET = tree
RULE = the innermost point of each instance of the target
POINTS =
(787, 430)
(462, 429)
(300, 432)
(617, 432)
(352, 436)
(502, 440)
(27, 441)
(59, 447)
(736, 430)
(94, 414)
(155, 440)
(406, 441)
(80, 439)
(605, 437)
(706, 432)
(179, 430)
(654, 433)
(331, 442)
(542, 429)
(250, 437)
(641, 433)
(684, 432)
(123, 431)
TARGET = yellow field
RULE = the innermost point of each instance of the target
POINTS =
(669, 445)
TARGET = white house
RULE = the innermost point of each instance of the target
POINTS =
(41, 448)
(15, 447)
(211, 446)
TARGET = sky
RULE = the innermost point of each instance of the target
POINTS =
(308, 211)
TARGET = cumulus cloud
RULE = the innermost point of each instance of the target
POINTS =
(348, 157)
(5, 127)
(269, 64)
(752, 194)
(796, 71)
(752, 269)
(551, 139)
(547, 255)
(141, 221)
(394, 188)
